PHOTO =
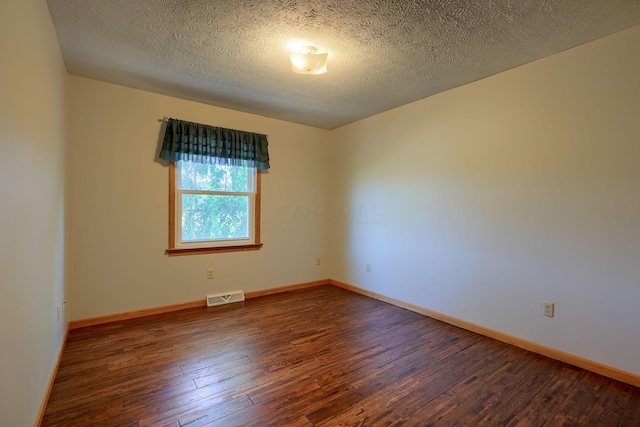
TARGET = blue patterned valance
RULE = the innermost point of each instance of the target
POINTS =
(199, 143)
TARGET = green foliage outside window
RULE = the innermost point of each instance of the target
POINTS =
(215, 201)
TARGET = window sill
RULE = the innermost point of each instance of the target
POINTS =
(213, 250)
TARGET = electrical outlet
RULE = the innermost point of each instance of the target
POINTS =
(317, 260)
(548, 308)
(368, 268)
(210, 273)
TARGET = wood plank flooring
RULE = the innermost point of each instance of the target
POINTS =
(318, 357)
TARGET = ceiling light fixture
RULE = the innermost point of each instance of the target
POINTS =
(309, 61)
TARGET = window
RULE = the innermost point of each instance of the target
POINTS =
(214, 187)
(213, 208)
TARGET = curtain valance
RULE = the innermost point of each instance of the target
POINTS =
(200, 143)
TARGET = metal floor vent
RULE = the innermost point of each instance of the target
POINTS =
(225, 298)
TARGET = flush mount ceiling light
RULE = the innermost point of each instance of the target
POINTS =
(309, 61)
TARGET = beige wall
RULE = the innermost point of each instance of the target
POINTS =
(483, 201)
(118, 203)
(32, 134)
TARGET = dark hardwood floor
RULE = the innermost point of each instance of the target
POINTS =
(319, 357)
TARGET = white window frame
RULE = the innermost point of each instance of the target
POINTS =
(178, 247)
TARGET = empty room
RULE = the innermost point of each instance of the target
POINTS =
(295, 213)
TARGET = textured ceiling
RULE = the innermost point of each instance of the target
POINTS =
(382, 54)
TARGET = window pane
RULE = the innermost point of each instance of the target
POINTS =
(211, 177)
(207, 217)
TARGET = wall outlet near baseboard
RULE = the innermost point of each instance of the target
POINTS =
(318, 260)
(548, 308)
(368, 268)
(210, 273)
